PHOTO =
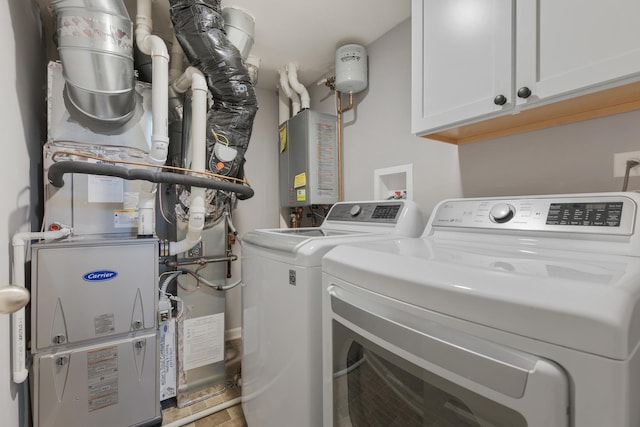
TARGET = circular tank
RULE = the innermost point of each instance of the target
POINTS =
(351, 68)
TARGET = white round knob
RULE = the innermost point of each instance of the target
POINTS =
(13, 298)
(501, 212)
(355, 210)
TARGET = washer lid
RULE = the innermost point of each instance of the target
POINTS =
(293, 239)
(363, 219)
(581, 300)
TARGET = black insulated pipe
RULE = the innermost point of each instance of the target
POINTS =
(199, 28)
(58, 169)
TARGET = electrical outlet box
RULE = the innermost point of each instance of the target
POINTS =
(620, 164)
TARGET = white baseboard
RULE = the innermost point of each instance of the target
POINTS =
(233, 334)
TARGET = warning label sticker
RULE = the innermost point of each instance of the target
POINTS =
(102, 376)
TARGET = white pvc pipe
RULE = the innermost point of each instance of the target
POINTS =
(198, 141)
(155, 46)
(293, 95)
(305, 101)
(177, 60)
(209, 411)
(147, 209)
(18, 339)
(284, 112)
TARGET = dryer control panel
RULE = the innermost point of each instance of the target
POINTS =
(603, 213)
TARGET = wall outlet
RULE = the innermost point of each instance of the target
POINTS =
(620, 164)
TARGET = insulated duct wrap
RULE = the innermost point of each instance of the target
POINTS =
(199, 29)
(95, 44)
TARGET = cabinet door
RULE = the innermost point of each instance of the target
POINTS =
(461, 60)
(571, 47)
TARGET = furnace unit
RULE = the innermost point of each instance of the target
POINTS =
(94, 339)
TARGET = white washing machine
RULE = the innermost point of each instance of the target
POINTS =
(507, 312)
(281, 307)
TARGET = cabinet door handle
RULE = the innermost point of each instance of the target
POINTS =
(500, 100)
(524, 92)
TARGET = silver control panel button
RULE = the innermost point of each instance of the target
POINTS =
(502, 212)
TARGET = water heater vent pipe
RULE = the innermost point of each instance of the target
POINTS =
(291, 94)
(292, 70)
(284, 111)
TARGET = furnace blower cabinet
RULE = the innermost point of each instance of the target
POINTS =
(94, 334)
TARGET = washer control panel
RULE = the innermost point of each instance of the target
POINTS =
(603, 214)
(377, 212)
(501, 212)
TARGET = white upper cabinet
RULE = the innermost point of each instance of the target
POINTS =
(462, 53)
(474, 60)
(574, 46)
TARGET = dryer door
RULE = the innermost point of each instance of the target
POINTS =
(392, 365)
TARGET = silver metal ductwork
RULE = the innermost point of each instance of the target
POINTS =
(95, 44)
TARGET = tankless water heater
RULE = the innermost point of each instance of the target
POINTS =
(309, 160)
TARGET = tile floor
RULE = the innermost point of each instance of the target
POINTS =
(230, 417)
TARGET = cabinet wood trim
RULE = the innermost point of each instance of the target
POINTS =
(599, 104)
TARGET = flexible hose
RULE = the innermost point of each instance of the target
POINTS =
(206, 282)
(58, 169)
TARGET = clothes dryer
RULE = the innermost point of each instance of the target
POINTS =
(520, 311)
(281, 306)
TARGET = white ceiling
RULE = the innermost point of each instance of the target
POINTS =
(309, 32)
(304, 31)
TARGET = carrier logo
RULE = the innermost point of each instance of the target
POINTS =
(99, 276)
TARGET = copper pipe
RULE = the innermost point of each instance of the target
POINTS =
(340, 157)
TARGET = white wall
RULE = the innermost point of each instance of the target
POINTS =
(378, 133)
(22, 98)
(262, 210)
(572, 158)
